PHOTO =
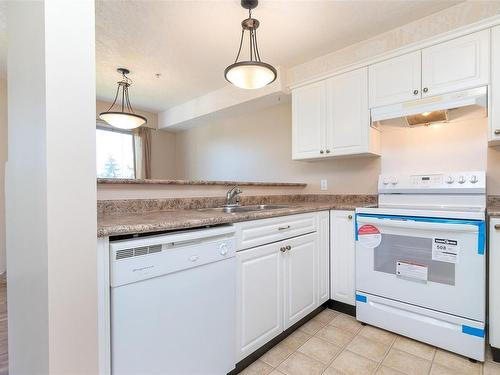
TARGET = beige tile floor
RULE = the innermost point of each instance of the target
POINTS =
(333, 343)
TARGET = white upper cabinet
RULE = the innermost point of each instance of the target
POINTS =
(494, 133)
(456, 65)
(331, 118)
(348, 117)
(308, 121)
(395, 80)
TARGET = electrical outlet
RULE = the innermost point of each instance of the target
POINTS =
(324, 184)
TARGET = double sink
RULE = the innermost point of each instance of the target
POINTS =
(250, 208)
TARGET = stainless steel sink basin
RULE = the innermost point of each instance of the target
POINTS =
(235, 209)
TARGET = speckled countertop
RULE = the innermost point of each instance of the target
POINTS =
(135, 181)
(171, 219)
(493, 205)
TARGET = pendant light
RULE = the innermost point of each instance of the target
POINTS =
(253, 73)
(124, 117)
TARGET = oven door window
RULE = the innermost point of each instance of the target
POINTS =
(411, 258)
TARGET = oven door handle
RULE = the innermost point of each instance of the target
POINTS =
(411, 224)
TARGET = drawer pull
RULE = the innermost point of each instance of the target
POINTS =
(497, 226)
(283, 249)
(497, 131)
(349, 217)
(284, 228)
(288, 247)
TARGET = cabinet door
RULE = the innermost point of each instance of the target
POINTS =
(459, 64)
(308, 121)
(495, 85)
(348, 118)
(494, 282)
(395, 80)
(259, 299)
(300, 275)
(342, 261)
(323, 257)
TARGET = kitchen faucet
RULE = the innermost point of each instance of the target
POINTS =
(232, 197)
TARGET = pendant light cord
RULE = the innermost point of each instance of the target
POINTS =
(124, 84)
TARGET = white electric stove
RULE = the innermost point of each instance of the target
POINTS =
(420, 260)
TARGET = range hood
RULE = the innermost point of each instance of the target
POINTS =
(460, 105)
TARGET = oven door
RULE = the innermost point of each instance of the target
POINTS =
(433, 263)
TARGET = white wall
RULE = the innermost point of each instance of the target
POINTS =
(459, 146)
(3, 160)
(258, 147)
(50, 209)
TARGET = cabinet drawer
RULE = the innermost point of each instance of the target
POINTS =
(259, 232)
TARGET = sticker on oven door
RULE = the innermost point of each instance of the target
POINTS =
(413, 271)
(369, 236)
(445, 250)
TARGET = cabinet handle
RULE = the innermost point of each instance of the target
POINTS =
(349, 217)
(321, 151)
(497, 131)
(425, 89)
(288, 247)
(327, 151)
(284, 228)
(415, 92)
(283, 249)
(497, 226)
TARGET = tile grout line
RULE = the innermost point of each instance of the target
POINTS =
(386, 354)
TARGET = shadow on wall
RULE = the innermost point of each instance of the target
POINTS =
(258, 147)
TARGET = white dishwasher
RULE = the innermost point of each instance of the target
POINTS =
(173, 303)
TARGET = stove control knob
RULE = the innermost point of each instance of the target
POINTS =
(474, 179)
(385, 181)
(394, 180)
(223, 249)
(461, 180)
(450, 179)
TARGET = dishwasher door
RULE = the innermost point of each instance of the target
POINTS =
(180, 322)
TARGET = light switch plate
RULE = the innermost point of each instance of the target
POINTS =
(324, 184)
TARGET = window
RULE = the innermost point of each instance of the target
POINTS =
(115, 153)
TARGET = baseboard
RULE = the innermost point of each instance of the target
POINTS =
(496, 354)
(251, 358)
(342, 307)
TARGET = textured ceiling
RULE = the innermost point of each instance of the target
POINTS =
(191, 42)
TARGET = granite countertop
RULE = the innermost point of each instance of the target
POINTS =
(130, 223)
(130, 181)
(493, 210)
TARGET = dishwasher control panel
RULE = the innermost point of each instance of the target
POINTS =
(136, 260)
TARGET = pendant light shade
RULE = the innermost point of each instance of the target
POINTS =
(123, 117)
(253, 73)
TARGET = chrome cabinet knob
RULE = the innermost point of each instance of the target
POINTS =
(415, 92)
(349, 217)
(425, 89)
(283, 249)
(497, 131)
(327, 151)
(321, 151)
(288, 247)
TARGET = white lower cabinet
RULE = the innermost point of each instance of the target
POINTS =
(342, 257)
(300, 277)
(259, 297)
(280, 283)
(323, 257)
(494, 283)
